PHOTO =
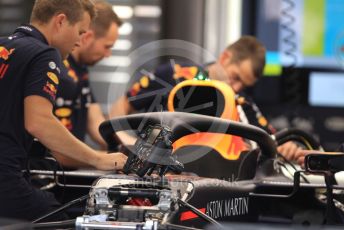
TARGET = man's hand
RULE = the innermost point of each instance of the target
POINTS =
(42, 124)
(112, 161)
(289, 150)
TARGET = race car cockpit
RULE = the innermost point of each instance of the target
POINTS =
(203, 153)
(151, 198)
(155, 192)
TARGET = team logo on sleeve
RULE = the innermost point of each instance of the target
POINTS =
(3, 70)
(53, 77)
(5, 53)
(64, 114)
(50, 89)
(53, 66)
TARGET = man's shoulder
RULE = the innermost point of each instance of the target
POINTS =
(19, 51)
(39, 48)
(28, 47)
(26, 42)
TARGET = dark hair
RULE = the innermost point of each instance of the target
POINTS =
(105, 17)
(248, 47)
(44, 10)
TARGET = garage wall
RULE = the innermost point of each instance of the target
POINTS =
(13, 13)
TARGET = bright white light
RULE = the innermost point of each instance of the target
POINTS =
(116, 77)
(114, 61)
(124, 12)
(147, 11)
(234, 19)
(126, 29)
(122, 45)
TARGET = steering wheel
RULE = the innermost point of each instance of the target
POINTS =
(294, 134)
(182, 124)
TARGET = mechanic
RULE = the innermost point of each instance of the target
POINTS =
(240, 65)
(75, 105)
(29, 77)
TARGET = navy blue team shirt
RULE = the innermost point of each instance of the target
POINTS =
(74, 97)
(28, 66)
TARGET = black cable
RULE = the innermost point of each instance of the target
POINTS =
(55, 225)
(299, 135)
(199, 213)
(69, 204)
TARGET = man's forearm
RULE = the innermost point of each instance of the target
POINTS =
(71, 147)
(69, 162)
(42, 124)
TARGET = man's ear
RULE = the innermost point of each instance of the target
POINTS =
(225, 57)
(59, 21)
(87, 37)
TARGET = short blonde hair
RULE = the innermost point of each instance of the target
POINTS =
(44, 10)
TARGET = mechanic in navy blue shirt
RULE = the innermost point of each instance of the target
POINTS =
(240, 65)
(29, 77)
(73, 98)
(76, 106)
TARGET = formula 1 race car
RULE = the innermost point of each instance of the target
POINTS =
(157, 194)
